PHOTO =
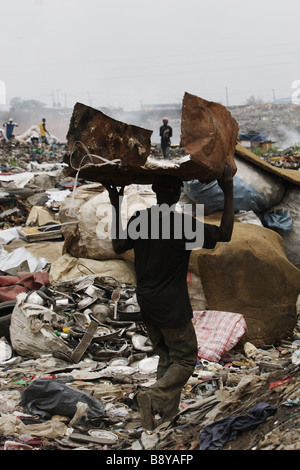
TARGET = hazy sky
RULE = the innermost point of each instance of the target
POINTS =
(125, 53)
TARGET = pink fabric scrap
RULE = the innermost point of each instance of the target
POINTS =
(12, 286)
(217, 332)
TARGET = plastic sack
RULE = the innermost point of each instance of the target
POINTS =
(291, 204)
(31, 333)
(91, 203)
(253, 190)
(278, 219)
(20, 257)
(245, 196)
(67, 267)
(47, 398)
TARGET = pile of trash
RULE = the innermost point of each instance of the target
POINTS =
(17, 155)
(176, 152)
(287, 158)
(26, 183)
(70, 381)
(74, 350)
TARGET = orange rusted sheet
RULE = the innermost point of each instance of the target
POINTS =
(209, 134)
(103, 149)
(95, 139)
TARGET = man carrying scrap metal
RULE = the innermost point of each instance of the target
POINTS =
(161, 243)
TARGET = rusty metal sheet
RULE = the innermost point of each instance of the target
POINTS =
(209, 134)
(95, 140)
(103, 149)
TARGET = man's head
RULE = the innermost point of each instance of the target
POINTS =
(167, 189)
(165, 120)
(11, 120)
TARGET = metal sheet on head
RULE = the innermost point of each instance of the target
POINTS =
(105, 150)
(209, 134)
(102, 136)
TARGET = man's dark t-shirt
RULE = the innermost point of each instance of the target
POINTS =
(165, 133)
(161, 267)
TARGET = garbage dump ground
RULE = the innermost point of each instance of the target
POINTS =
(74, 351)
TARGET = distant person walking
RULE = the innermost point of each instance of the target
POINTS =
(43, 132)
(165, 133)
(10, 125)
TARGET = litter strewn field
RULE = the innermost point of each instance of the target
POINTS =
(74, 350)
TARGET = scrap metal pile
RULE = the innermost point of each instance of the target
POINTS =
(90, 315)
(69, 383)
(288, 158)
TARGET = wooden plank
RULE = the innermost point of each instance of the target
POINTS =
(292, 176)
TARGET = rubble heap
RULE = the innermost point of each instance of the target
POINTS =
(70, 383)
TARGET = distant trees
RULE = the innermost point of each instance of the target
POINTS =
(16, 104)
(252, 101)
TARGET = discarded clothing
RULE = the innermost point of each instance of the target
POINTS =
(217, 332)
(215, 435)
(47, 398)
(11, 286)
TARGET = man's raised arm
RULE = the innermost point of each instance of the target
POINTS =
(118, 235)
(226, 226)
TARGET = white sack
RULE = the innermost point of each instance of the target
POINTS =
(291, 238)
(31, 333)
(67, 267)
(91, 211)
